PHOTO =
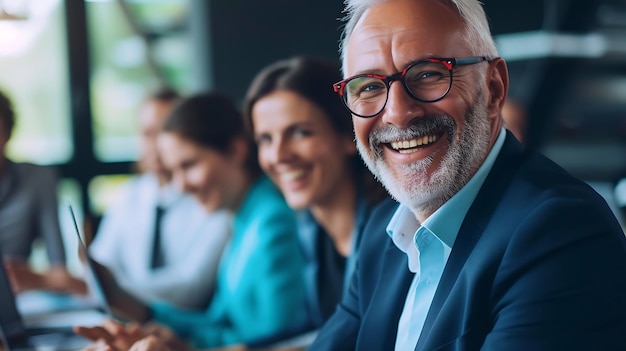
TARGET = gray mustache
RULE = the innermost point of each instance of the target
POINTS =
(419, 127)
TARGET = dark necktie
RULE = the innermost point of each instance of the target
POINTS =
(158, 259)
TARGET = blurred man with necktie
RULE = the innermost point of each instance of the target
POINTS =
(160, 244)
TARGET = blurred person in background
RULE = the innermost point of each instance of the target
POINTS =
(159, 243)
(259, 284)
(306, 145)
(28, 213)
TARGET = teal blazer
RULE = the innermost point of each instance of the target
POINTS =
(259, 281)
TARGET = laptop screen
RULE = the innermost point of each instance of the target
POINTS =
(91, 274)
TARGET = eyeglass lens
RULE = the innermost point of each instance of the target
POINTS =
(426, 81)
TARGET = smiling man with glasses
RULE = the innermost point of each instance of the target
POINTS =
(492, 247)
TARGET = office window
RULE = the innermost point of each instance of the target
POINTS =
(34, 75)
(104, 190)
(134, 48)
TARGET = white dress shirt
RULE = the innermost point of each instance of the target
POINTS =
(192, 240)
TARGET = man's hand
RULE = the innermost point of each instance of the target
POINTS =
(21, 276)
(56, 279)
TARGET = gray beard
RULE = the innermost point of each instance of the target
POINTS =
(411, 185)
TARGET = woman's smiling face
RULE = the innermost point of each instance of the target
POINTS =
(299, 149)
(197, 170)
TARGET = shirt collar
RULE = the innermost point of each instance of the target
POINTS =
(446, 221)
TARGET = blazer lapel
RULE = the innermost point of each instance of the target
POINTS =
(387, 301)
(479, 214)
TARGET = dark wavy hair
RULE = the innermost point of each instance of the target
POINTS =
(212, 120)
(311, 78)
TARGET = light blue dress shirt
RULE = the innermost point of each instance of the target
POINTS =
(428, 247)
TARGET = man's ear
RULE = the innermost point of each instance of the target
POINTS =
(498, 86)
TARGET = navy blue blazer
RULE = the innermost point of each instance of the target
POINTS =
(539, 264)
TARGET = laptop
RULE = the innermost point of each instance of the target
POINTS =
(17, 336)
(91, 312)
(53, 330)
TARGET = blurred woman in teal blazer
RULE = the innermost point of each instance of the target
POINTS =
(259, 289)
(306, 145)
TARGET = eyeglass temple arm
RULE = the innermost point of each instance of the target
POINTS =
(471, 60)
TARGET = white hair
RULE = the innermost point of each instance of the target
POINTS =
(477, 32)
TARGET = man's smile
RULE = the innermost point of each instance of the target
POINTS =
(413, 145)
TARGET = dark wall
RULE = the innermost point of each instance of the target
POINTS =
(246, 35)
